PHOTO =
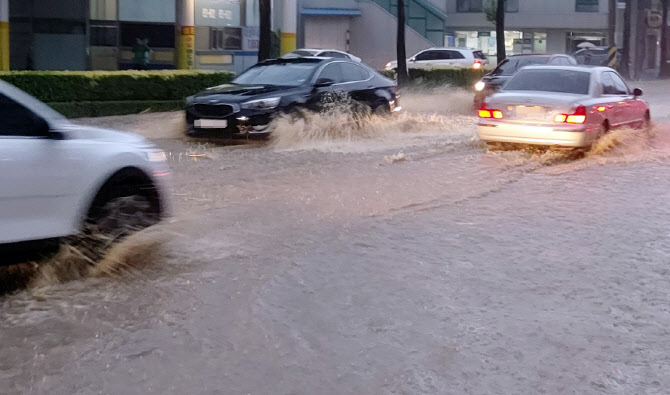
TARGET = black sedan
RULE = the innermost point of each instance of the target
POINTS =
(249, 104)
(493, 81)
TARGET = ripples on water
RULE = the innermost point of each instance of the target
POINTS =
(435, 113)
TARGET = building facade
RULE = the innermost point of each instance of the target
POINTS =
(531, 26)
(100, 34)
(367, 28)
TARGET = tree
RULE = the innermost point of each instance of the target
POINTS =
(665, 67)
(625, 51)
(500, 30)
(495, 13)
(265, 38)
(611, 23)
(403, 77)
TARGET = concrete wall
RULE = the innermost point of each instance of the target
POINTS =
(373, 36)
(556, 41)
(547, 14)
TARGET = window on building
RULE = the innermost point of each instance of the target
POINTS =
(480, 5)
(159, 35)
(147, 11)
(226, 38)
(586, 5)
(103, 10)
(512, 6)
(470, 6)
(104, 34)
(58, 26)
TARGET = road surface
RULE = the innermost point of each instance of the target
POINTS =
(393, 257)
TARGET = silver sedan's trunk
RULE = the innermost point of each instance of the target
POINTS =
(533, 107)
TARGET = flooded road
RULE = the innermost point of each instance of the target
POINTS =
(406, 259)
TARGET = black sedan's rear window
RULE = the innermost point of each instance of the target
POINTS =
(551, 80)
(511, 65)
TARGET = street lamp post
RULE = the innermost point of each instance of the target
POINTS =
(186, 44)
(4, 35)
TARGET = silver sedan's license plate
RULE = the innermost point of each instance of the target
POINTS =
(211, 123)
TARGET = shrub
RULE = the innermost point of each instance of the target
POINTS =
(457, 77)
(108, 108)
(102, 86)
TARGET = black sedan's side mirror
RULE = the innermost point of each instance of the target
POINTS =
(323, 82)
(637, 92)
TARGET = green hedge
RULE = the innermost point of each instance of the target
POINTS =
(457, 77)
(108, 108)
(105, 86)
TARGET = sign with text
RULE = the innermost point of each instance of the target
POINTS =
(250, 37)
(217, 13)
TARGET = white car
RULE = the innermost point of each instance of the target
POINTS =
(435, 58)
(56, 177)
(565, 106)
(324, 53)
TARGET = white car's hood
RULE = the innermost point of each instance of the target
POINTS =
(99, 134)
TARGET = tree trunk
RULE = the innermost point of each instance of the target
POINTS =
(500, 30)
(265, 39)
(403, 77)
(611, 23)
(625, 51)
(665, 67)
(640, 40)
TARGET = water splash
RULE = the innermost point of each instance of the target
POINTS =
(342, 122)
(85, 257)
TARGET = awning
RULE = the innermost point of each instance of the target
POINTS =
(331, 11)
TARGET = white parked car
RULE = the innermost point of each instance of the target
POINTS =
(435, 58)
(323, 53)
(56, 177)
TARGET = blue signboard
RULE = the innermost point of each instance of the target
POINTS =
(217, 13)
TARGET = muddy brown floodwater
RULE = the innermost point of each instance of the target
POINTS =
(388, 257)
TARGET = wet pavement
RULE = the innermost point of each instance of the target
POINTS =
(406, 261)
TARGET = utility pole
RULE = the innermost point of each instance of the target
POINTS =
(4, 35)
(186, 44)
(500, 30)
(401, 52)
(265, 35)
(625, 54)
(611, 23)
(289, 26)
(665, 67)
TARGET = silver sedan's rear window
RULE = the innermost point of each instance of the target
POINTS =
(551, 80)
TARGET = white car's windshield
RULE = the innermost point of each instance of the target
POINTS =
(286, 74)
(551, 80)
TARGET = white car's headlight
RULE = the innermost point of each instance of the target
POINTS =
(262, 104)
(480, 85)
(156, 156)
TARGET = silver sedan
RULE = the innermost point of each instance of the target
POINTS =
(567, 106)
